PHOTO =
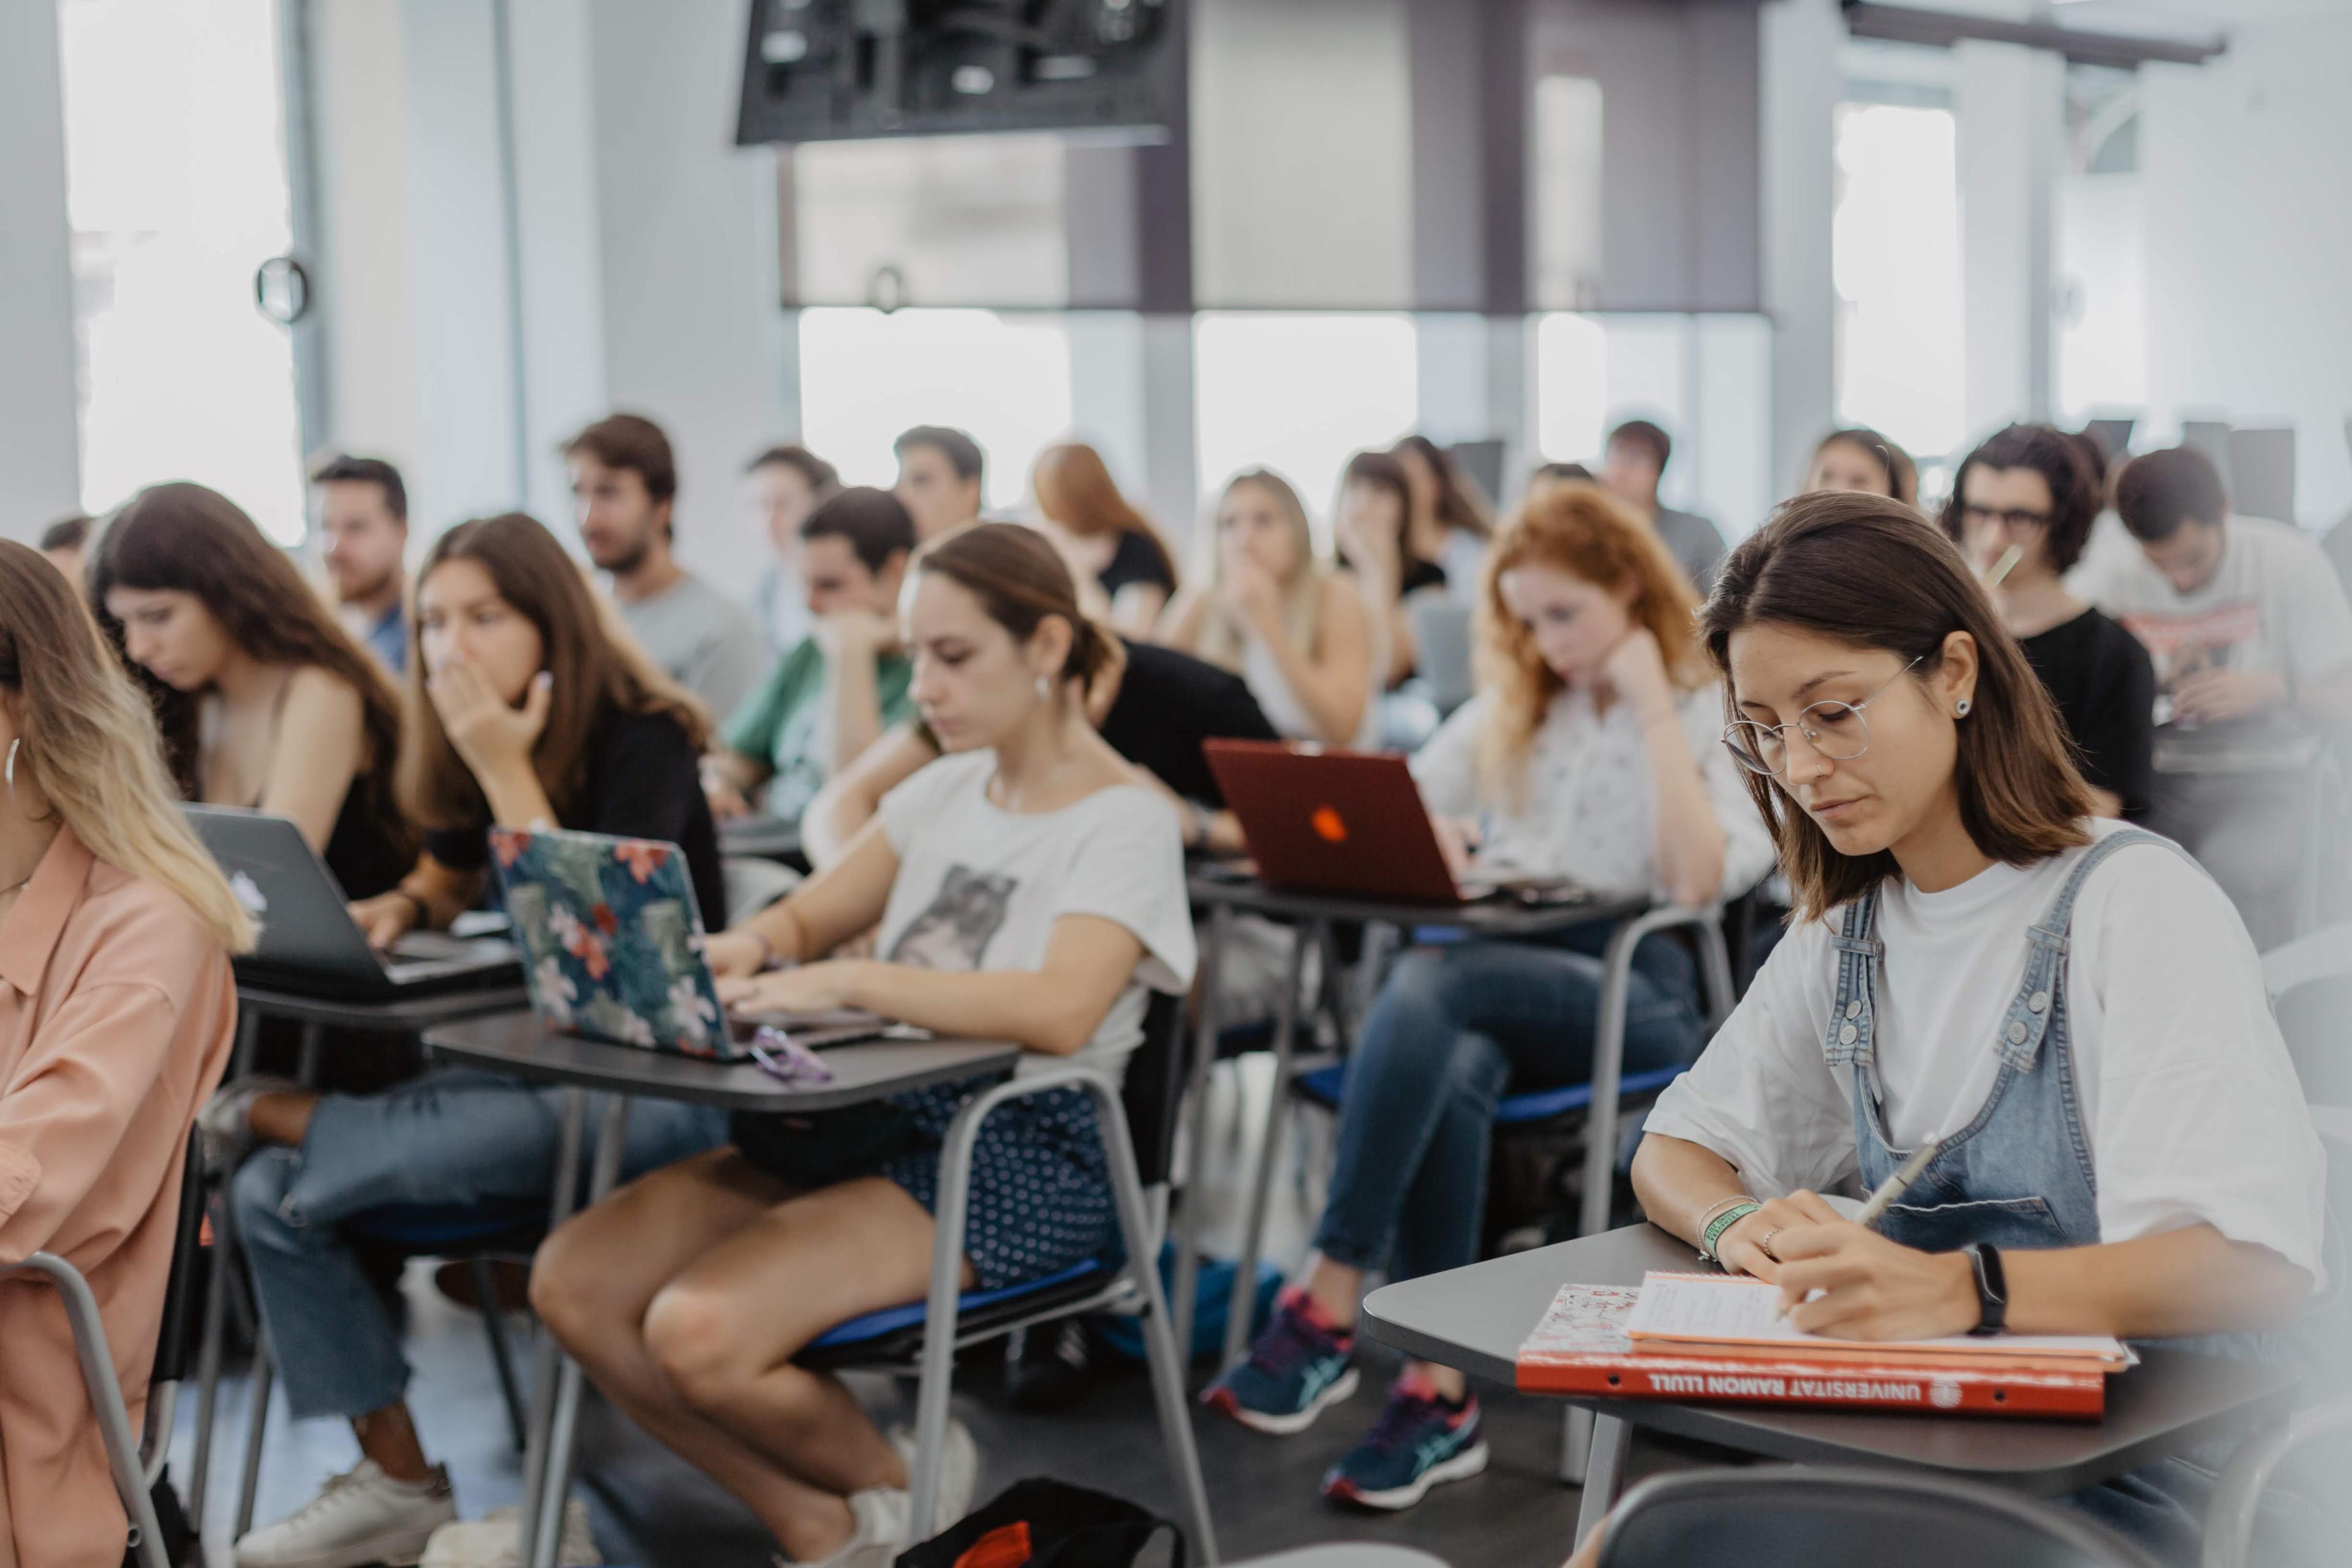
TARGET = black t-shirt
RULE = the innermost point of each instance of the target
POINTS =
(643, 783)
(1170, 702)
(2105, 686)
(1419, 574)
(1135, 561)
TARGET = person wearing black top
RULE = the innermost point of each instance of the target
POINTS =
(2022, 511)
(1373, 523)
(522, 714)
(1100, 534)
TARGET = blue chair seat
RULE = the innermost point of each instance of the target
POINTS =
(428, 1228)
(897, 1332)
(1325, 1086)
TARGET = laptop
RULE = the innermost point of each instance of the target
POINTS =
(1321, 821)
(613, 941)
(309, 944)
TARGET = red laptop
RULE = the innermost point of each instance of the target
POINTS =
(1324, 821)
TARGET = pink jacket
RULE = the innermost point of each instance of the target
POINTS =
(117, 1013)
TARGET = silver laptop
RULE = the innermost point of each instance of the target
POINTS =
(309, 943)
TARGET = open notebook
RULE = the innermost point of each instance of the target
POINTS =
(1733, 1315)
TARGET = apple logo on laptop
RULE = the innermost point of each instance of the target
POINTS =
(248, 894)
(1329, 826)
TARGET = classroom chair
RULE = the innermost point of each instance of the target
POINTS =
(1809, 1516)
(137, 1463)
(1139, 1130)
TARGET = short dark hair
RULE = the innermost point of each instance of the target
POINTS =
(876, 523)
(1642, 433)
(634, 442)
(823, 478)
(2159, 491)
(962, 451)
(342, 467)
(69, 532)
(2075, 493)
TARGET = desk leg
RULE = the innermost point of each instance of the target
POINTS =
(555, 1479)
(1575, 1445)
(208, 1350)
(1606, 1476)
(1196, 1105)
(1285, 1031)
(1607, 1065)
(547, 1356)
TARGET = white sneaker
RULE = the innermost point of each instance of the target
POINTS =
(880, 1533)
(495, 1540)
(358, 1518)
(225, 1124)
(959, 1471)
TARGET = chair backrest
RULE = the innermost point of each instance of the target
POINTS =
(1804, 1517)
(187, 1257)
(1155, 1087)
(2310, 984)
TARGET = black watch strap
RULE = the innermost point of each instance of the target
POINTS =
(1993, 1287)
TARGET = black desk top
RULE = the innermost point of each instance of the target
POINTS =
(408, 1013)
(1490, 917)
(517, 1042)
(1477, 1318)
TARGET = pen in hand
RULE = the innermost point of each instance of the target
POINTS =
(1882, 1197)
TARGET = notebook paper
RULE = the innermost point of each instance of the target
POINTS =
(1734, 1309)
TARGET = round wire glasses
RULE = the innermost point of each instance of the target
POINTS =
(1835, 730)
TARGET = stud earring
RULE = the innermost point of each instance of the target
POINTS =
(1961, 709)
(1045, 690)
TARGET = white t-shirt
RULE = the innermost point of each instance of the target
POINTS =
(979, 888)
(2273, 604)
(2192, 1109)
(1590, 808)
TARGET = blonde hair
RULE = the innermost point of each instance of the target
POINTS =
(1579, 528)
(1223, 641)
(88, 738)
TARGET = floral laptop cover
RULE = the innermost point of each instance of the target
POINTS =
(612, 940)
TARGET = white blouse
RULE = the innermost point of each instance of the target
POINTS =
(1589, 809)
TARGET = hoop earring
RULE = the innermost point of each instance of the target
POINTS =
(1961, 709)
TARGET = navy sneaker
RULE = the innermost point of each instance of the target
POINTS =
(1419, 1441)
(1297, 1369)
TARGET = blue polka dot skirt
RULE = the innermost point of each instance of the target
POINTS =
(1040, 1194)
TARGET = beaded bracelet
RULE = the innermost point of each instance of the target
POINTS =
(1721, 1223)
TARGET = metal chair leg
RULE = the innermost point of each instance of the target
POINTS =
(556, 1481)
(1285, 1032)
(256, 1422)
(1196, 1105)
(1606, 1476)
(485, 1290)
(548, 1361)
(216, 1326)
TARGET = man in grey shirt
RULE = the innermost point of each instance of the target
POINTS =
(1631, 467)
(623, 486)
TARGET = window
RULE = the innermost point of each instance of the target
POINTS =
(865, 376)
(2101, 301)
(176, 181)
(1299, 394)
(1895, 252)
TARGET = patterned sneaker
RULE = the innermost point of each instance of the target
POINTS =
(1419, 1441)
(1297, 1369)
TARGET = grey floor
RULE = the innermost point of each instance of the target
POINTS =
(649, 1508)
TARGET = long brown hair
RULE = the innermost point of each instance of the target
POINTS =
(1581, 529)
(1869, 572)
(1020, 580)
(1459, 504)
(1222, 641)
(594, 670)
(198, 541)
(1075, 491)
(88, 739)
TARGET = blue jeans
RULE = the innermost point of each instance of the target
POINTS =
(458, 1142)
(1453, 1030)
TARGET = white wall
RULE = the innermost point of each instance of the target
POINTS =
(39, 465)
(2248, 236)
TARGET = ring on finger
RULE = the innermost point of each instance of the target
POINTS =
(1764, 1245)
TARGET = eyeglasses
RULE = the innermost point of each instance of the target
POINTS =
(2014, 517)
(1835, 730)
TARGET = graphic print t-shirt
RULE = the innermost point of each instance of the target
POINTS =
(980, 887)
(2272, 604)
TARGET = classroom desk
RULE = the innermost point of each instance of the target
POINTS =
(763, 838)
(1224, 890)
(1475, 1318)
(257, 1000)
(519, 1045)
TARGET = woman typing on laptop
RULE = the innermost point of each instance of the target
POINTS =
(1029, 887)
(1591, 752)
(523, 710)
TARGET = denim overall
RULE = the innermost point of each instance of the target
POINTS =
(2019, 1175)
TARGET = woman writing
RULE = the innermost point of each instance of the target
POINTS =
(2122, 1145)
(1272, 612)
(1028, 888)
(1589, 750)
(264, 699)
(115, 1022)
